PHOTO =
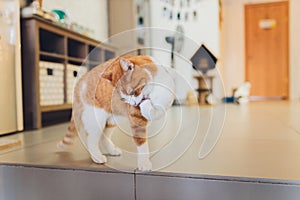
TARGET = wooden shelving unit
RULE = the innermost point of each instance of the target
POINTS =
(43, 40)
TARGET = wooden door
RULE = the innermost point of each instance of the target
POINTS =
(267, 49)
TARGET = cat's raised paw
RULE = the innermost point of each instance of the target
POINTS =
(101, 159)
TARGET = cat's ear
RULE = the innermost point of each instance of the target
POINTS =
(126, 64)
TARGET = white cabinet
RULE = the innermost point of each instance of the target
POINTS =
(11, 116)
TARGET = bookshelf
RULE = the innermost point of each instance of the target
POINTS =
(50, 53)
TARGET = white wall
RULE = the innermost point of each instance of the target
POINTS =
(90, 13)
(294, 49)
(203, 30)
(233, 48)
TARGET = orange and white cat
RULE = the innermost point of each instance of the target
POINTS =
(132, 86)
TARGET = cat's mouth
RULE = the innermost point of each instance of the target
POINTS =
(143, 99)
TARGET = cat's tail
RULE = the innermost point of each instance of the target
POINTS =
(69, 137)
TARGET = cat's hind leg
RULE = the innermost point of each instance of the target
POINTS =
(94, 121)
(106, 142)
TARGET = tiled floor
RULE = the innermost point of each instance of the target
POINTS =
(259, 142)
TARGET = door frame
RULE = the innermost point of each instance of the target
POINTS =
(251, 5)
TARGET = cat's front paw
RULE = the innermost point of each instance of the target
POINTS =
(146, 107)
(144, 165)
(99, 159)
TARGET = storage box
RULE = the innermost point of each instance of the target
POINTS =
(73, 72)
(51, 83)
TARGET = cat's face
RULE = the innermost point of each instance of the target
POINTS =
(131, 86)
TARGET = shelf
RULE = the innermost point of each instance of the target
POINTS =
(91, 48)
(76, 60)
(95, 54)
(94, 63)
(56, 107)
(76, 49)
(51, 42)
(59, 28)
(91, 65)
(45, 41)
(52, 55)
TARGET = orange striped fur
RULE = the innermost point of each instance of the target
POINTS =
(100, 90)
